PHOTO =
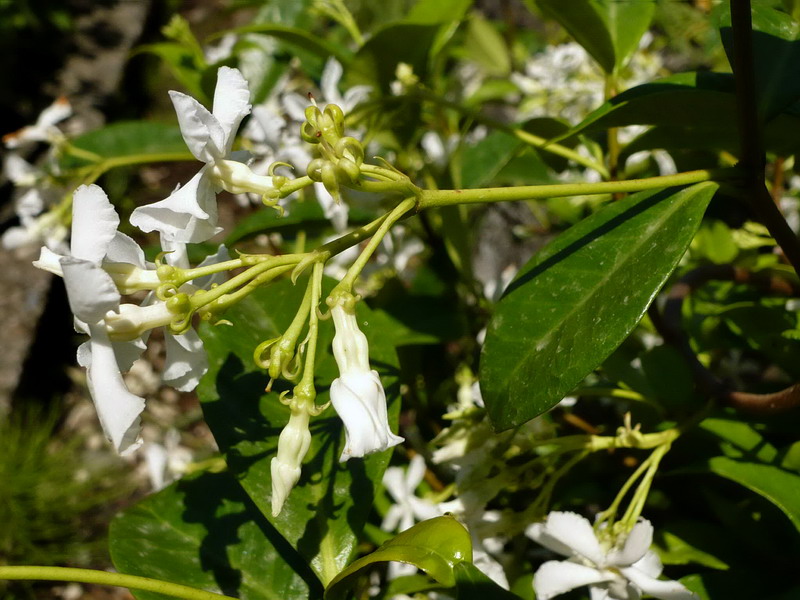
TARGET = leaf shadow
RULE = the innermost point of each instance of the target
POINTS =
(204, 498)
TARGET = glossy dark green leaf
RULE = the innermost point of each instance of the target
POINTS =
(777, 485)
(776, 55)
(205, 532)
(132, 138)
(576, 300)
(435, 546)
(299, 215)
(329, 505)
(609, 30)
(686, 100)
(472, 584)
(739, 439)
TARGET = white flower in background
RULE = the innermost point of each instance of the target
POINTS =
(166, 462)
(357, 394)
(408, 508)
(622, 571)
(44, 130)
(189, 214)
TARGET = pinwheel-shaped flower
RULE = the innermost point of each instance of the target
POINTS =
(102, 261)
(189, 214)
(357, 394)
(621, 572)
(408, 508)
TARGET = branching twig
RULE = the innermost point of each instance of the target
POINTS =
(669, 325)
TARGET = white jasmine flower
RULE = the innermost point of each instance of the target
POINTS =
(357, 394)
(408, 508)
(189, 214)
(44, 130)
(621, 572)
(168, 461)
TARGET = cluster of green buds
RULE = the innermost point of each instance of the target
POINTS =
(340, 157)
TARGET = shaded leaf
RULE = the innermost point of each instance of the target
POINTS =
(329, 505)
(472, 584)
(576, 300)
(773, 483)
(131, 138)
(204, 532)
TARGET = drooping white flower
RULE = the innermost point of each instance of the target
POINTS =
(101, 262)
(408, 508)
(44, 130)
(622, 571)
(357, 394)
(189, 214)
(285, 466)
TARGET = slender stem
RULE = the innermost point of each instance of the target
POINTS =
(355, 269)
(636, 505)
(752, 150)
(315, 286)
(227, 300)
(294, 185)
(133, 582)
(613, 139)
(437, 198)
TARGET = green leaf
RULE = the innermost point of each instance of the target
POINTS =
(576, 300)
(376, 61)
(486, 46)
(480, 162)
(294, 36)
(300, 215)
(131, 139)
(776, 54)
(685, 101)
(697, 542)
(773, 483)
(329, 505)
(609, 30)
(434, 546)
(437, 12)
(184, 65)
(472, 584)
(204, 532)
(739, 439)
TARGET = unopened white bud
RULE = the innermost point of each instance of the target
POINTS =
(132, 321)
(293, 445)
(238, 178)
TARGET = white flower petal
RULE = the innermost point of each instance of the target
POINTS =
(117, 408)
(336, 212)
(649, 564)
(295, 106)
(538, 533)
(49, 261)
(415, 473)
(329, 82)
(176, 252)
(94, 223)
(201, 131)
(558, 577)
(664, 590)
(231, 103)
(576, 532)
(188, 215)
(90, 290)
(360, 402)
(636, 545)
(393, 517)
(128, 353)
(186, 361)
(59, 110)
(394, 482)
(123, 249)
(355, 96)
(19, 170)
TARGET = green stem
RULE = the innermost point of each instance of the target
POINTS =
(294, 185)
(133, 582)
(225, 301)
(438, 198)
(315, 284)
(355, 269)
(204, 297)
(640, 496)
